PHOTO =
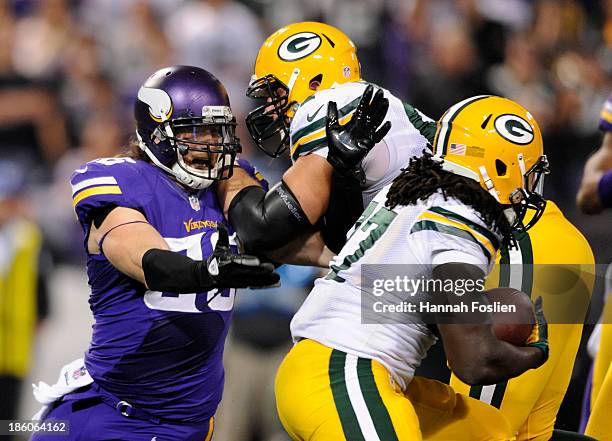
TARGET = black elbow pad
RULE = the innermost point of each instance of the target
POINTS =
(267, 221)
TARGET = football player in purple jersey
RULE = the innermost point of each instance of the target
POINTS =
(595, 193)
(163, 268)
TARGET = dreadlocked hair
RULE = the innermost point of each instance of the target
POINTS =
(424, 177)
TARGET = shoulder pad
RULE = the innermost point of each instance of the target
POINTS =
(106, 181)
(253, 172)
(308, 124)
(456, 219)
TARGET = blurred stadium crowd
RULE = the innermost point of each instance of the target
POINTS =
(69, 70)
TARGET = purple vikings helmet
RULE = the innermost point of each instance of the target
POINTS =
(185, 125)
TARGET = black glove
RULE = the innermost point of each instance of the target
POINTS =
(228, 270)
(350, 143)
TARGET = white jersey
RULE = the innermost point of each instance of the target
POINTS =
(410, 133)
(417, 237)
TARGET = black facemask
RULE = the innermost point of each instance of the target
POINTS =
(268, 123)
(530, 197)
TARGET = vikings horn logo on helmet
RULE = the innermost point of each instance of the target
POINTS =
(159, 102)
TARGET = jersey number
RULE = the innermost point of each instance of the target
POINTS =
(377, 221)
(191, 246)
(113, 161)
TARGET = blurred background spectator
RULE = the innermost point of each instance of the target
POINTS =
(23, 282)
(69, 70)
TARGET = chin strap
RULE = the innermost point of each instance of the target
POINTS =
(176, 171)
(190, 181)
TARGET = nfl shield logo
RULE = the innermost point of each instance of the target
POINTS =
(195, 202)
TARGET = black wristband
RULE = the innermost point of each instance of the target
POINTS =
(169, 271)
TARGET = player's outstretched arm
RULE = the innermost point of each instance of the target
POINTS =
(308, 250)
(273, 223)
(296, 203)
(474, 354)
(349, 143)
(595, 192)
(135, 248)
(266, 221)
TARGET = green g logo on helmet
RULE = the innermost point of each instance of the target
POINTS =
(513, 128)
(299, 46)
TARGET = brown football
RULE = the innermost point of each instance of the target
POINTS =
(513, 327)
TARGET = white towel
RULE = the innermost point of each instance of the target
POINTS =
(72, 376)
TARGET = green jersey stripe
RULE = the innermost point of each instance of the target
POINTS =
(425, 128)
(504, 268)
(320, 123)
(498, 394)
(475, 392)
(527, 263)
(382, 219)
(348, 418)
(378, 411)
(309, 147)
(447, 229)
(473, 225)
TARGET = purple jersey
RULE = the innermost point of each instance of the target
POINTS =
(159, 351)
(605, 120)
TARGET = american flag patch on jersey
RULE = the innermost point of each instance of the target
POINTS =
(457, 149)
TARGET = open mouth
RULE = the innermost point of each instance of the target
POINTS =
(198, 161)
(199, 164)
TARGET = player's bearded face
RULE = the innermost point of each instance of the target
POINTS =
(200, 146)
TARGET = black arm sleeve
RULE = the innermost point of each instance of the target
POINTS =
(266, 221)
(168, 271)
(345, 207)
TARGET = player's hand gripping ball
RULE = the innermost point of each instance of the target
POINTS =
(513, 327)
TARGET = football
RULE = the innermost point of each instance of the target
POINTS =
(512, 326)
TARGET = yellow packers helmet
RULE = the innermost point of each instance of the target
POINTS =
(292, 63)
(498, 143)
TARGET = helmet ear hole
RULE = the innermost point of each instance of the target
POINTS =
(315, 82)
(500, 167)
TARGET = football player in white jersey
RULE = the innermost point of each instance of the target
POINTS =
(299, 69)
(351, 373)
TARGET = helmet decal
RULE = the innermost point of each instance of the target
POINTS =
(293, 64)
(159, 102)
(445, 124)
(508, 159)
(185, 126)
(299, 46)
(514, 129)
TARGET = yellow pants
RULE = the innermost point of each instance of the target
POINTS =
(600, 421)
(324, 394)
